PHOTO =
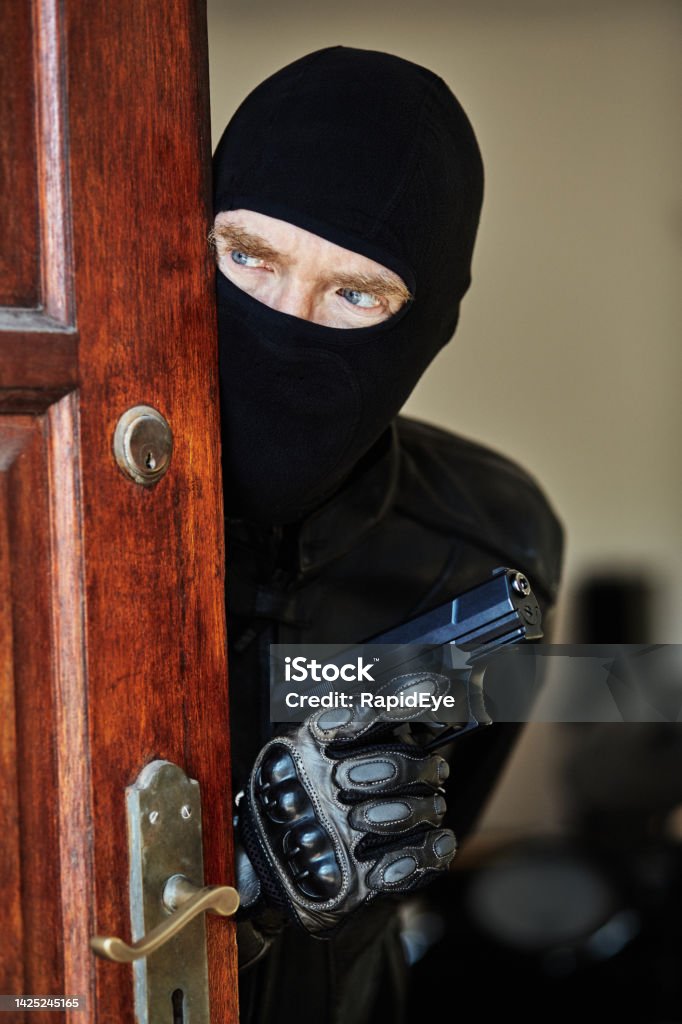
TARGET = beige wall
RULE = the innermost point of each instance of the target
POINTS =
(568, 353)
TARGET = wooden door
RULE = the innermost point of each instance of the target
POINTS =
(112, 649)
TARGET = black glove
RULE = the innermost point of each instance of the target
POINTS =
(341, 809)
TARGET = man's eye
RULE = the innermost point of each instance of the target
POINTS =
(244, 260)
(365, 300)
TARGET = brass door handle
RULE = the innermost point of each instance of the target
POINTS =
(168, 898)
(185, 901)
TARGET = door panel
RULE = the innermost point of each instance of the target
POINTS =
(113, 626)
(19, 282)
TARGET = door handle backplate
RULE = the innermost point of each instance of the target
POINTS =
(167, 898)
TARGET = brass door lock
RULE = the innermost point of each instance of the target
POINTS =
(143, 444)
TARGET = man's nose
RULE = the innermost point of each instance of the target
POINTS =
(295, 299)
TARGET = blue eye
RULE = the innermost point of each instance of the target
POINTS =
(365, 300)
(244, 260)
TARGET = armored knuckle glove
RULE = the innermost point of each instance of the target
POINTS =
(341, 810)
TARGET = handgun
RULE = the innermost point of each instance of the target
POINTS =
(459, 638)
(478, 623)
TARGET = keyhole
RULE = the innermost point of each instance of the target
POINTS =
(178, 1001)
(150, 461)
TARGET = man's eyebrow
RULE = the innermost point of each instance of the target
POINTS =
(229, 236)
(377, 284)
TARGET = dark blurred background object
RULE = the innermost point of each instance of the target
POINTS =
(614, 607)
(557, 929)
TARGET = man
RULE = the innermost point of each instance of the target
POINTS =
(347, 197)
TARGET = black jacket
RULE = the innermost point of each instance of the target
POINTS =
(426, 517)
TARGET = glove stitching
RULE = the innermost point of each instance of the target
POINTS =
(401, 881)
(425, 819)
(432, 762)
(329, 828)
(386, 821)
(408, 828)
(371, 782)
(397, 754)
(323, 736)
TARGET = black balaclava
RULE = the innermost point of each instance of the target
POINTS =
(375, 154)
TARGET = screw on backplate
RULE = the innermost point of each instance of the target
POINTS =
(521, 584)
(186, 811)
(154, 817)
